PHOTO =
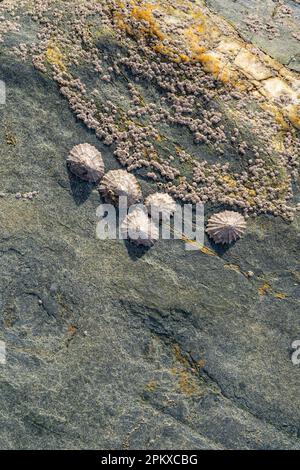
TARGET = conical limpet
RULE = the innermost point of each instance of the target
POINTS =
(226, 227)
(118, 183)
(161, 206)
(139, 228)
(86, 162)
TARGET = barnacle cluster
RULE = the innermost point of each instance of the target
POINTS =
(166, 72)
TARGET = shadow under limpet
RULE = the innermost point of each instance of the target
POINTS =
(81, 190)
(136, 252)
(221, 249)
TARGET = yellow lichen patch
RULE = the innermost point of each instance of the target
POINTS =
(187, 383)
(280, 295)
(277, 114)
(183, 58)
(252, 192)
(10, 138)
(294, 115)
(207, 251)
(280, 120)
(278, 143)
(162, 49)
(189, 241)
(225, 76)
(227, 57)
(151, 386)
(186, 375)
(55, 57)
(193, 42)
(211, 62)
(121, 23)
(145, 14)
(192, 35)
(243, 85)
(270, 62)
(197, 53)
(230, 181)
(233, 267)
(160, 138)
(265, 288)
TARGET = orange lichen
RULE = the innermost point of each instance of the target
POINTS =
(162, 49)
(183, 58)
(211, 63)
(72, 330)
(186, 375)
(10, 138)
(294, 116)
(145, 14)
(187, 383)
(225, 76)
(121, 23)
(193, 40)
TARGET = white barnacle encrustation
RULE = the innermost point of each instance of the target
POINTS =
(226, 227)
(86, 162)
(117, 183)
(161, 206)
(139, 228)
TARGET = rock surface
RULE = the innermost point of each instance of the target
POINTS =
(272, 25)
(112, 347)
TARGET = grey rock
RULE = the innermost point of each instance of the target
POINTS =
(113, 348)
(265, 24)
